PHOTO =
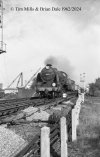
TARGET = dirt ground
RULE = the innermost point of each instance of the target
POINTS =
(88, 139)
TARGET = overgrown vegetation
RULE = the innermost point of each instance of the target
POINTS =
(94, 88)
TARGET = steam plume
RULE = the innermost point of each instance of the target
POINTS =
(62, 64)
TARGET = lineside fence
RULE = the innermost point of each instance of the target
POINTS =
(62, 132)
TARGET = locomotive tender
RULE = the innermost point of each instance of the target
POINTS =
(53, 83)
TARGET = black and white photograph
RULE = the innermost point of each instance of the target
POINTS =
(49, 78)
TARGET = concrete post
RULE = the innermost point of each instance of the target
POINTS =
(77, 116)
(83, 97)
(77, 107)
(64, 138)
(74, 137)
(45, 142)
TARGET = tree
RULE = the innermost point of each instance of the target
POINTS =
(94, 88)
(91, 89)
(97, 83)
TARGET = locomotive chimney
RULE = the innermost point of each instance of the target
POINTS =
(49, 65)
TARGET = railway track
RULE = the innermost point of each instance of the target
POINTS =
(9, 107)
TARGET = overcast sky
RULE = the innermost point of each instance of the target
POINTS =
(72, 38)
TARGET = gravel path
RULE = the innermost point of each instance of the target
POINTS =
(10, 143)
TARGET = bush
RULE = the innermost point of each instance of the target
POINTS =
(94, 88)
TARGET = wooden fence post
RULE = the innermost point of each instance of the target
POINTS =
(74, 137)
(64, 138)
(45, 142)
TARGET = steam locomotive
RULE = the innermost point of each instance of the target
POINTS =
(53, 83)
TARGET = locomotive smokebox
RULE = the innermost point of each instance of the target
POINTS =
(48, 73)
(48, 66)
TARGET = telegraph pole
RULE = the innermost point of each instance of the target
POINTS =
(2, 44)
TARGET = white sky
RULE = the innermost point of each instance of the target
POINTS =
(32, 37)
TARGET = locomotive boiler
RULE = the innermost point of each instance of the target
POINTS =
(53, 83)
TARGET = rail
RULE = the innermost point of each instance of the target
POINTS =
(8, 107)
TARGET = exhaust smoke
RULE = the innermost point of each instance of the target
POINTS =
(62, 64)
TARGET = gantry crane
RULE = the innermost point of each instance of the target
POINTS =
(19, 80)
